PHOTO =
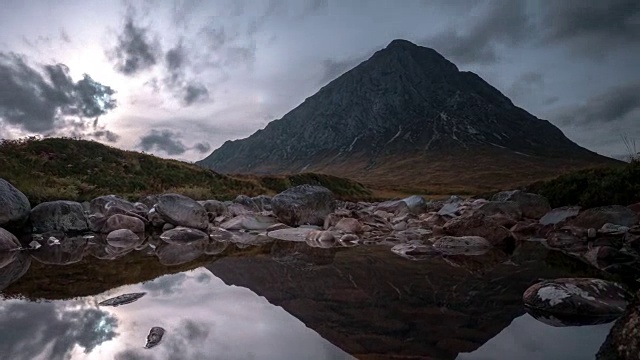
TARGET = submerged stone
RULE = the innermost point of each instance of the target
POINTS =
(122, 299)
(155, 336)
(584, 297)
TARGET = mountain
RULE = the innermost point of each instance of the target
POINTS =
(408, 118)
(54, 168)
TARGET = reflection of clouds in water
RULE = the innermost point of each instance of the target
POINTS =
(528, 339)
(203, 278)
(51, 330)
(165, 285)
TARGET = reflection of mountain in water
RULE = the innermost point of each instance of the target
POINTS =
(370, 302)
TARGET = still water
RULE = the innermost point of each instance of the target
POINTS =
(282, 300)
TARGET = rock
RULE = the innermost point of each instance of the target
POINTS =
(180, 210)
(597, 217)
(510, 209)
(155, 219)
(468, 242)
(582, 297)
(304, 204)
(122, 299)
(58, 215)
(383, 214)
(560, 214)
(123, 238)
(15, 208)
(248, 222)
(237, 209)
(8, 241)
(215, 207)
(290, 234)
(477, 224)
(451, 207)
(101, 204)
(155, 336)
(149, 200)
(417, 204)
(167, 227)
(395, 207)
(277, 226)
(623, 341)
(219, 234)
(349, 225)
(119, 221)
(247, 202)
(602, 257)
(533, 206)
(524, 230)
(263, 202)
(349, 239)
(415, 250)
(611, 229)
(566, 241)
(183, 235)
(401, 226)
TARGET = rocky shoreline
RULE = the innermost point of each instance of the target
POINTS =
(607, 238)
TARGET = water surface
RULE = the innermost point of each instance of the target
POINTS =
(283, 300)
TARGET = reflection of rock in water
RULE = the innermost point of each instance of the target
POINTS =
(371, 302)
(14, 270)
(155, 336)
(556, 320)
(122, 299)
(301, 256)
(60, 249)
(172, 254)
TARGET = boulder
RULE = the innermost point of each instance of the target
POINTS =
(509, 209)
(183, 235)
(533, 206)
(101, 204)
(14, 270)
(216, 247)
(263, 202)
(15, 208)
(582, 297)
(304, 204)
(235, 209)
(396, 207)
(180, 210)
(215, 207)
(597, 217)
(247, 202)
(58, 215)
(349, 225)
(249, 222)
(623, 341)
(477, 224)
(119, 221)
(566, 241)
(290, 234)
(417, 204)
(560, 214)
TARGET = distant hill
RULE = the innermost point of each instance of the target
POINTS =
(59, 168)
(408, 119)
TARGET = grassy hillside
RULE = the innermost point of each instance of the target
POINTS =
(593, 187)
(62, 168)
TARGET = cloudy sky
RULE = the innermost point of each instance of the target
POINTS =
(177, 79)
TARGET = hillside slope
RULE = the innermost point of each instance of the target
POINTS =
(57, 168)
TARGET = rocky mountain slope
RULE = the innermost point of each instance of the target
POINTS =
(408, 118)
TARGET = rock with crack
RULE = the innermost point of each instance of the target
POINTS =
(155, 336)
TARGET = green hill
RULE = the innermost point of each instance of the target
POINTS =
(62, 168)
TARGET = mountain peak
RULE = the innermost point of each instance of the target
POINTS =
(405, 102)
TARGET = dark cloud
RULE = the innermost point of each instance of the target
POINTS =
(616, 104)
(164, 140)
(611, 22)
(527, 84)
(106, 135)
(202, 147)
(175, 61)
(505, 23)
(47, 330)
(194, 92)
(39, 101)
(135, 51)
(64, 36)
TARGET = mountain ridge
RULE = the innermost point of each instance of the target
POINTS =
(405, 102)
